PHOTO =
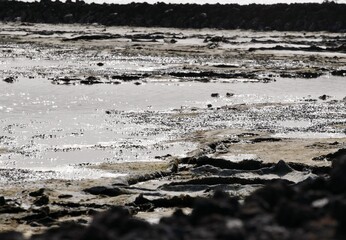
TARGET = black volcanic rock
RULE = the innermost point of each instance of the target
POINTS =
(339, 73)
(115, 224)
(338, 176)
(107, 191)
(42, 200)
(11, 236)
(9, 80)
(37, 193)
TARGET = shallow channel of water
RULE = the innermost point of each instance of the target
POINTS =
(45, 126)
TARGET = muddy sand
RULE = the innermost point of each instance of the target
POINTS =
(154, 120)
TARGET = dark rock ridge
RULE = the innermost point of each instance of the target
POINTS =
(108, 191)
(282, 17)
(313, 209)
(331, 156)
(341, 48)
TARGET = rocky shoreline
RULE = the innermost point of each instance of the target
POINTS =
(197, 197)
(174, 198)
(262, 166)
(281, 17)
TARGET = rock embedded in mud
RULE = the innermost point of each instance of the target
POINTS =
(2, 201)
(181, 201)
(10, 79)
(340, 73)
(42, 200)
(337, 175)
(204, 183)
(107, 191)
(65, 81)
(269, 139)
(305, 74)
(309, 74)
(115, 82)
(216, 39)
(130, 77)
(312, 48)
(324, 97)
(225, 164)
(149, 176)
(90, 81)
(171, 41)
(37, 193)
(65, 196)
(11, 209)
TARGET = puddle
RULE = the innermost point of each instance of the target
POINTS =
(17, 175)
(295, 124)
(309, 135)
(51, 125)
(236, 157)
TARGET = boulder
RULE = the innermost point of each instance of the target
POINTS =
(337, 175)
(107, 191)
(42, 200)
(9, 80)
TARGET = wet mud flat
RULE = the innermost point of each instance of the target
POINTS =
(164, 132)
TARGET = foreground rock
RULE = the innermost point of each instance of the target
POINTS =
(155, 190)
(279, 209)
(312, 209)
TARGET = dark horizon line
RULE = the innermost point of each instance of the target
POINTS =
(163, 3)
(281, 16)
